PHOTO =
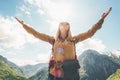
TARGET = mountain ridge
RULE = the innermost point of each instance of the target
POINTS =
(93, 63)
(11, 64)
(8, 73)
(94, 66)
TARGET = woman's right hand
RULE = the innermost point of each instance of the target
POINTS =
(20, 21)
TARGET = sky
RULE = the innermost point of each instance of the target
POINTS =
(44, 16)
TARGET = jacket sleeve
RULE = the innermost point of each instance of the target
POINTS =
(89, 33)
(38, 35)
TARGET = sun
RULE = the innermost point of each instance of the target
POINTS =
(59, 10)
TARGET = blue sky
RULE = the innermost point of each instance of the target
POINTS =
(44, 16)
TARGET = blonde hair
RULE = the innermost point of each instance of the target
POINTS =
(58, 34)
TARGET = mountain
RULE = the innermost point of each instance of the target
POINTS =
(8, 73)
(14, 72)
(115, 56)
(30, 70)
(11, 64)
(40, 75)
(115, 76)
(96, 66)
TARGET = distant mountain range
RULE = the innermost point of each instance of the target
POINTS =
(11, 64)
(40, 75)
(9, 73)
(94, 66)
(30, 70)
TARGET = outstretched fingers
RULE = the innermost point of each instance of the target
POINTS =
(20, 21)
(106, 13)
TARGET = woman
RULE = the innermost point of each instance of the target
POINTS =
(63, 63)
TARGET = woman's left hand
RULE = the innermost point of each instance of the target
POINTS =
(106, 13)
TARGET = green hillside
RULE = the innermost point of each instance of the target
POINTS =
(115, 76)
(8, 73)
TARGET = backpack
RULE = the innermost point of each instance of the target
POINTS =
(69, 67)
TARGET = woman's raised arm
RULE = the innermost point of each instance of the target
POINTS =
(41, 36)
(91, 31)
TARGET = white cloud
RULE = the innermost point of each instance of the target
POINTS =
(59, 10)
(25, 9)
(56, 10)
(43, 58)
(12, 34)
(1, 50)
(54, 25)
(91, 43)
(22, 62)
(35, 2)
(116, 52)
(41, 12)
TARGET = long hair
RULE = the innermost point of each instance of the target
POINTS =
(68, 34)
